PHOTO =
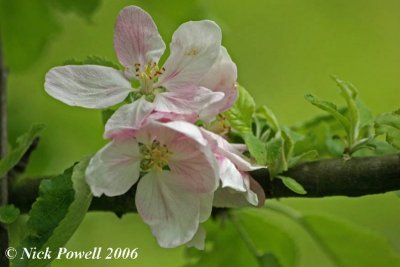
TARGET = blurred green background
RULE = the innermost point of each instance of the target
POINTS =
(283, 49)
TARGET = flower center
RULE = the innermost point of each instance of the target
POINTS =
(154, 155)
(147, 76)
(219, 126)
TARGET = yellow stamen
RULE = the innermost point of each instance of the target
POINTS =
(155, 156)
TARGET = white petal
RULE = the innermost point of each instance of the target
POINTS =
(188, 101)
(258, 190)
(229, 198)
(194, 49)
(206, 202)
(114, 169)
(223, 74)
(88, 86)
(221, 78)
(172, 213)
(198, 240)
(251, 196)
(136, 38)
(230, 176)
(127, 119)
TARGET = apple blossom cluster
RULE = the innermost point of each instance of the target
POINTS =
(181, 169)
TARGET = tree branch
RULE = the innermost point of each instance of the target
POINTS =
(333, 177)
(337, 177)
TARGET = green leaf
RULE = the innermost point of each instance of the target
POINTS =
(61, 206)
(292, 184)
(269, 260)
(306, 156)
(22, 145)
(276, 160)
(92, 60)
(348, 243)
(240, 115)
(256, 148)
(334, 145)
(8, 214)
(377, 147)
(293, 134)
(221, 233)
(389, 124)
(343, 242)
(349, 93)
(278, 243)
(272, 243)
(366, 117)
(317, 135)
(288, 144)
(331, 108)
(267, 114)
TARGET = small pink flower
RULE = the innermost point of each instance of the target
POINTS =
(238, 188)
(179, 176)
(197, 75)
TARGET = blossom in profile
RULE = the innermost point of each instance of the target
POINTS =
(238, 188)
(175, 171)
(198, 76)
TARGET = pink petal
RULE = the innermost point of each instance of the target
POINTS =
(136, 38)
(88, 86)
(195, 164)
(172, 213)
(127, 119)
(187, 129)
(188, 101)
(191, 159)
(171, 116)
(154, 130)
(194, 48)
(230, 151)
(114, 169)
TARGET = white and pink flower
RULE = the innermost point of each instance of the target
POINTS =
(238, 188)
(198, 77)
(179, 176)
(181, 170)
